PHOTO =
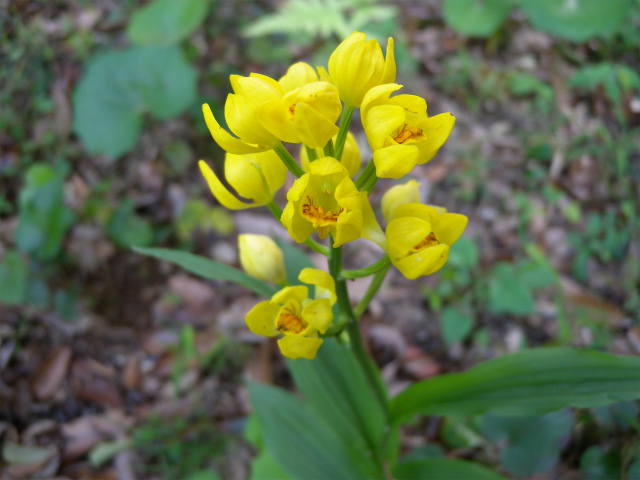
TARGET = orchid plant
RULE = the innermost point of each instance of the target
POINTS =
(348, 427)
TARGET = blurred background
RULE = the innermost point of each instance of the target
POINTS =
(115, 365)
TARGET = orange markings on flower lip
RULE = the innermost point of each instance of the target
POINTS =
(317, 215)
(429, 241)
(408, 133)
(292, 108)
(289, 322)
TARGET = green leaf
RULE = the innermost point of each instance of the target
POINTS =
(463, 254)
(127, 229)
(576, 20)
(119, 87)
(207, 268)
(295, 260)
(17, 454)
(43, 217)
(13, 279)
(508, 293)
(532, 444)
(530, 382)
(265, 467)
(336, 388)
(443, 469)
(596, 464)
(302, 444)
(164, 22)
(454, 325)
(476, 18)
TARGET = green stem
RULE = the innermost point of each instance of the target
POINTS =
(288, 160)
(366, 174)
(275, 209)
(328, 148)
(353, 330)
(311, 154)
(368, 186)
(374, 286)
(345, 121)
(384, 262)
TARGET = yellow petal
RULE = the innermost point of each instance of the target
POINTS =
(370, 227)
(348, 228)
(399, 195)
(242, 121)
(389, 73)
(437, 130)
(297, 75)
(414, 106)
(314, 129)
(425, 262)
(299, 293)
(318, 314)
(242, 174)
(376, 96)
(347, 195)
(294, 346)
(351, 157)
(425, 212)
(324, 283)
(273, 170)
(261, 319)
(219, 191)
(448, 227)
(395, 161)
(274, 116)
(223, 138)
(261, 257)
(323, 75)
(405, 233)
(326, 166)
(382, 120)
(299, 229)
(259, 89)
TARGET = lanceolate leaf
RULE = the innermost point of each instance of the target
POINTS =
(210, 269)
(526, 383)
(443, 469)
(302, 444)
(335, 387)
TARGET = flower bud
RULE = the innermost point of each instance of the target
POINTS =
(261, 258)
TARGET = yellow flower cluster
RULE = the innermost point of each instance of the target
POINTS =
(328, 197)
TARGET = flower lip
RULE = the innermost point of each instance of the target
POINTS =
(289, 320)
(409, 134)
(317, 215)
(430, 240)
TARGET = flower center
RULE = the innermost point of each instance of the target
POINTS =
(409, 135)
(318, 217)
(429, 241)
(289, 322)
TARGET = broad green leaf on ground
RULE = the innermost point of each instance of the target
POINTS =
(476, 18)
(294, 261)
(164, 22)
(530, 382)
(265, 467)
(43, 217)
(119, 87)
(454, 325)
(443, 469)
(507, 292)
(126, 228)
(334, 385)
(576, 20)
(210, 269)
(529, 444)
(13, 279)
(596, 464)
(302, 444)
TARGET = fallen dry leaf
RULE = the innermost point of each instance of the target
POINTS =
(51, 373)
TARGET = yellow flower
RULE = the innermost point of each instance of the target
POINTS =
(324, 200)
(399, 195)
(399, 131)
(257, 176)
(261, 258)
(307, 113)
(350, 155)
(292, 313)
(419, 237)
(298, 75)
(357, 65)
(251, 136)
